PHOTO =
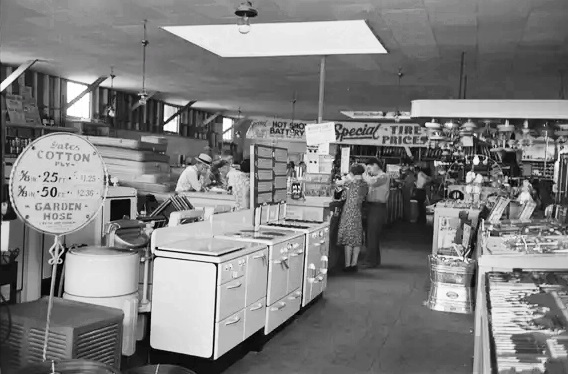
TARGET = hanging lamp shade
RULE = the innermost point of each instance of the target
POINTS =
(505, 128)
(469, 125)
(433, 125)
(450, 125)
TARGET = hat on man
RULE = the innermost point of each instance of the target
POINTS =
(206, 159)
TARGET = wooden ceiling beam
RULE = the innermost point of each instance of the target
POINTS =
(15, 74)
(89, 88)
(186, 106)
(209, 119)
(135, 106)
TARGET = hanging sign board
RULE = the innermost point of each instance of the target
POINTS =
(320, 133)
(57, 184)
(381, 134)
(275, 128)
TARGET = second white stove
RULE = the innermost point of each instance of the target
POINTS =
(285, 270)
(317, 253)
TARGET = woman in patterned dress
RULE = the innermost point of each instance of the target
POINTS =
(350, 233)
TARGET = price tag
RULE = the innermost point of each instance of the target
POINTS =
(57, 184)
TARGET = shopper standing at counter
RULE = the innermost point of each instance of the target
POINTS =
(192, 178)
(422, 181)
(350, 233)
(376, 207)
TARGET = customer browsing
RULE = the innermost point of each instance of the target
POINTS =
(376, 209)
(192, 178)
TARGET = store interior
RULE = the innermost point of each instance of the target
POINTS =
(177, 177)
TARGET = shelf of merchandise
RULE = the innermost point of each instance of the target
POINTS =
(487, 262)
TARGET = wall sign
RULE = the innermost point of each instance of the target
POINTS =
(320, 133)
(275, 128)
(57, 184)
(383, 134)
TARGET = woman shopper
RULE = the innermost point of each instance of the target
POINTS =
(350, 233)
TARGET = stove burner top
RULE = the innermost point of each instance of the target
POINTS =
(287, 225)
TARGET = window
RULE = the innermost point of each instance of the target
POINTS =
(82, 108)
(173, 125)
(228, 129)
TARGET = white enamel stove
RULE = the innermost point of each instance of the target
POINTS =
(317, 253)
(208, 295)
(285, 271)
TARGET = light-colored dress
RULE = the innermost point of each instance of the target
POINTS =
(241, 190)
(350, 231)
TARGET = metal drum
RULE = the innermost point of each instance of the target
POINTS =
(452, 272)
(159, 369)
(69, 367)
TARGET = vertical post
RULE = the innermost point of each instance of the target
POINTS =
(461, 74)
(321, 89)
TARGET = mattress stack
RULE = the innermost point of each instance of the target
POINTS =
(141, 164)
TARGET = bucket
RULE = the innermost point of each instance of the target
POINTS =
(453, 272)
(69, 367)
(159, 369)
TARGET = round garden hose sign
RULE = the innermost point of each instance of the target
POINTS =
(57, 184)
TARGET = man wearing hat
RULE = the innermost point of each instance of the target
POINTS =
(191, 179)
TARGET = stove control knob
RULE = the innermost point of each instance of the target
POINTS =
(289, 246)
(321, 234)
(326, 229)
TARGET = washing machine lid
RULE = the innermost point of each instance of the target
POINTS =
(102, 251)
(203, 246)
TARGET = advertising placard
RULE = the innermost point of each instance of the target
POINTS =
(57, 184)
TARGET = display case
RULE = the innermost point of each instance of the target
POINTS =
(526, 322)
(503, 253)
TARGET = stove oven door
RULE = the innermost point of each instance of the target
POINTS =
(296, 253)
(278, 266)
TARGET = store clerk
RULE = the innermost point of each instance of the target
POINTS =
(192, 178)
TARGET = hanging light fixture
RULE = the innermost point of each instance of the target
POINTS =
(144, 94)
(526, 140)
(400, 74)
(245, 12)
(110, 110)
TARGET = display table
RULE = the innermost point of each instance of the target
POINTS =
(447, 222)
(490, 258)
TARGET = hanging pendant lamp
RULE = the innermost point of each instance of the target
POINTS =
(245, 12)
(144, 94)
(110, 110)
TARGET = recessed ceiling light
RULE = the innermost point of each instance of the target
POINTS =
(284, 39)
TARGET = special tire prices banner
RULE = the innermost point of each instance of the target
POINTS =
(57, 184)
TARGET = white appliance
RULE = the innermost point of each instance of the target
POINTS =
(285, 271)
(120, 202)
(208, 295)
(317, 250)
(107, 277)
